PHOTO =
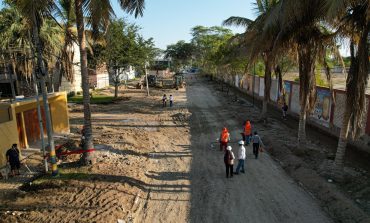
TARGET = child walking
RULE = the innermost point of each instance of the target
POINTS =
(171, 100)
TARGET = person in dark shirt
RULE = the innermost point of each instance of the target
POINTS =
(12, 157)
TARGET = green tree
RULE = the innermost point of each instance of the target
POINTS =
(100, 12)
(300, 26)
(354, 22)
(206, 42)
(120, 51)
(259, 43)
(180, 53)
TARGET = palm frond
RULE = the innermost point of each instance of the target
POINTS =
(135, 7)
(237, 21)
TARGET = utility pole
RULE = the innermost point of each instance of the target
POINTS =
(39, 116)
(40, 121)
(40, 68)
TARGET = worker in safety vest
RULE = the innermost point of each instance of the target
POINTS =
(247, 132)
(224, 139)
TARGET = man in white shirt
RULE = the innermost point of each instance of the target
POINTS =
(241, 157)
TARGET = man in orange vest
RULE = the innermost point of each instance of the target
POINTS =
(247, 132)
(224, 139)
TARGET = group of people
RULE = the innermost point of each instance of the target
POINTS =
(229, 156)
(164, 100)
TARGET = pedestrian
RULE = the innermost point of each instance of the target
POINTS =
(224, 139)
(164, 101)
(171, 100)
(229, 161)
(257, 142)
(241, 158)
(247, 132)
(285, 110)
(12, 157)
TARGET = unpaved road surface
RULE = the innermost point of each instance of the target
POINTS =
(264, 194)
(157, 165)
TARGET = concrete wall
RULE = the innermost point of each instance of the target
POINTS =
(274, 90)
(261, 92)
(256, 84)
(295, 107)
(326, 114)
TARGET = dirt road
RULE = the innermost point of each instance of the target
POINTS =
(156, 164)
(264, 194)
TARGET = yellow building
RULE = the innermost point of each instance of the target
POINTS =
(19, 121)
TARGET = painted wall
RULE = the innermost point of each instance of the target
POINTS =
(294, 104)
(322, 110)
(325, 114)
(8, 133)
(256, 84)
(274, 90)
(261, 92)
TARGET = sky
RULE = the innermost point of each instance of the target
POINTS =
(169, 21)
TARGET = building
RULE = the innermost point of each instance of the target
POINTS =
(98, 78)
(19, 121)
(125, 74)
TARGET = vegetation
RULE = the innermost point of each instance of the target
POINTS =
(181, 54)
(303, 35)
(95, 99)
(124, 48)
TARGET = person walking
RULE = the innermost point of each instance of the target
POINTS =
(229, 161)
(247, 132)
(171, 100)
(164, 101)
(285, 110)
(12, 157)
(257, 142)
(224, 139)
(241, 158)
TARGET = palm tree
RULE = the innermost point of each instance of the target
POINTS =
(354, 22)
(35, 12)
(300, 27)
(99, 11)
(259, 42)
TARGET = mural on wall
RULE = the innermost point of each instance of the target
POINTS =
(321, 111)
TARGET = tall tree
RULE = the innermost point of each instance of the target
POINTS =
(300, 26)
(180, 53)
(353, 19)
(100, 11)
(35, 12)
(260, 43)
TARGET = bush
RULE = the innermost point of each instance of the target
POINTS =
(71, 94)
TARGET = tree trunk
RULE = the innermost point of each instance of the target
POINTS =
(267, 80)
(302, 129)
(115, 90)
(11, 82)
(146, 80)
(88, 157)
(355, 97)
(41, 67)
(306, 57)
(343, 137)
